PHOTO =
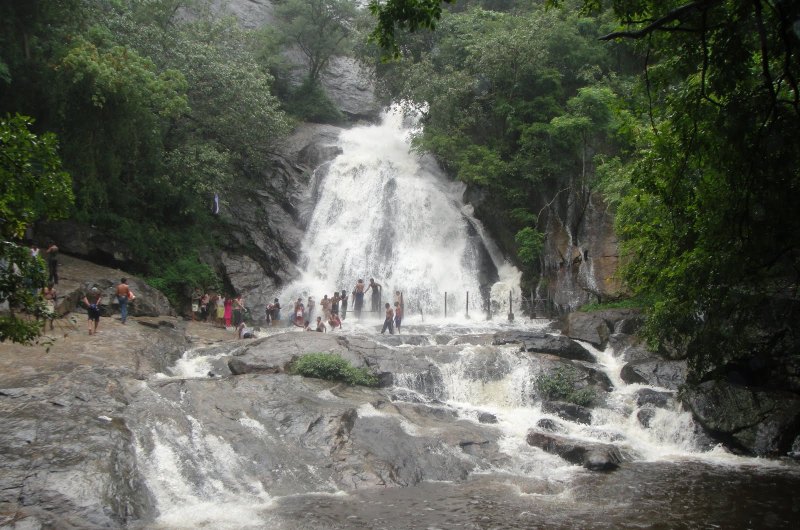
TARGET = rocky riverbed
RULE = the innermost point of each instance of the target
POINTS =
(169, 423)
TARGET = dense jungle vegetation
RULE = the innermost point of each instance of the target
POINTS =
(683, 115)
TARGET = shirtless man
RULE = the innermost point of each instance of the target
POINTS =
(389, 322)
(398, 315)
(325, 303)
(123, 291)
(320, 325)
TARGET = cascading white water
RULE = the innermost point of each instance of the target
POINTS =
(387, 213)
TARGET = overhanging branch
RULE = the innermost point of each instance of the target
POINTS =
(660, 22)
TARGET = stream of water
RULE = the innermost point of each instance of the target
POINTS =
(254, 452)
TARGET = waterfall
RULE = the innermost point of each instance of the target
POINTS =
(387, 213)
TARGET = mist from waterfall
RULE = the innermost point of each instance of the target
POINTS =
(388, 213)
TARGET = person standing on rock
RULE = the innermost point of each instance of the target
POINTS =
(52, 262)
(92, 301)
(123, 292)
(388, 323)
(358, 298)
(228, 311)
(238, 310)
(276, 311)
(376, 295)
(220, 320)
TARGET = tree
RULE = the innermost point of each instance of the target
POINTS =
(32, 187)
(320, 29)
(409, 15)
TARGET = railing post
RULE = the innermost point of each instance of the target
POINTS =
(510, 308)
(467, 312)
(445, 304)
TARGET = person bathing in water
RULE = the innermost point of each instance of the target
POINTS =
(358, 298)
(398, 315)
(376, 294)
(388, 323)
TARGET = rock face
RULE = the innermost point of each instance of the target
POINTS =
(66, 450)
(759, 421)
(77, 277)
(350, 88)
(593, 456)
(655, 372)
(596, 327)
(568, 411)
(558, 345)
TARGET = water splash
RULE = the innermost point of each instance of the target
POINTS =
(387, 213)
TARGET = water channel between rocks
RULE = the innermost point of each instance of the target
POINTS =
(443, 447)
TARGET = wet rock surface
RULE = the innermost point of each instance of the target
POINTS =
(545, 343)
(592, 456)
(761, 422)
(655, 372)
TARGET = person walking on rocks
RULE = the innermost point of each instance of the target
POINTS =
(123, 293)
(92, 301)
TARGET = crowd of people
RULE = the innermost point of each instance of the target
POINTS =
(229, 311)
(333, 309)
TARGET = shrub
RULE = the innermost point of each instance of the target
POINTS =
(560, 386)
(333, 368)
(178, 279)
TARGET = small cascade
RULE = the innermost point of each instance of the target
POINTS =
(501, 381)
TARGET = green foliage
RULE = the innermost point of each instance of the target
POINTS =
(333, 368)
(179, 279)
(32, 187)
(32, 184)
(559, 385)
(408, 15)
(529, 245)
(626, 303)
(20, 277)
